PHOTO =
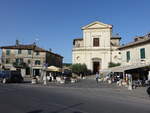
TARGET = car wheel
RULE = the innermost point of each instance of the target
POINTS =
(4, 80)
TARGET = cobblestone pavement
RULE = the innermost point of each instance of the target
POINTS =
(90, 84)
(85, 83)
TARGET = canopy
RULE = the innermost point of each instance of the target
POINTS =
(118, 69)
(129, 67)
(53, 68)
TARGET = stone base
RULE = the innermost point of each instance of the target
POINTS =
(34, 81)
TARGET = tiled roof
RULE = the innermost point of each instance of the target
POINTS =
(28, 47)
(145, 40)
(78, 39)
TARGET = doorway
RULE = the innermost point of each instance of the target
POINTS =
(28, 71)
(36, 72)
(96, 67)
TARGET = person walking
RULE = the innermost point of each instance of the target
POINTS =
(97, 77)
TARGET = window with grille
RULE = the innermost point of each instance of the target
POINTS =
(95, 42)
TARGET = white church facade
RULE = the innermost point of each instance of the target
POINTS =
(97, 48)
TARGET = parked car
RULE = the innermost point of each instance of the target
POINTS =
(10, 77)
(67, 73)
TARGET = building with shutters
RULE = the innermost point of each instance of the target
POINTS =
(29, 58)
(135, 58)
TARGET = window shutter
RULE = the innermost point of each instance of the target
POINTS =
(128, 56)
(8, 52)
(19, 51)
(142, 53)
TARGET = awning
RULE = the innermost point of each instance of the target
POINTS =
(117, 69)
(129, 67)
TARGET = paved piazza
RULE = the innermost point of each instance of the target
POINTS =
(82, 97)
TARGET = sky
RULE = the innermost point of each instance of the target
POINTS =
(53, 24)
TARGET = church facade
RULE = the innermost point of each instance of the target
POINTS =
(97, 48)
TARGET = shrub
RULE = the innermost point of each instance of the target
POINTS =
(112, 64)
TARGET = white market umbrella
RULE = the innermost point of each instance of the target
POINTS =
(54, 68)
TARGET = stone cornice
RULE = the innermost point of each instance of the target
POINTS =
(91, 50)
(97, 28)
(97, 22)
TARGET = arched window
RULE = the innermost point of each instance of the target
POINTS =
(37, 62)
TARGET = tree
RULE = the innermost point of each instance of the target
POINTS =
(84, 68)
(79, 68)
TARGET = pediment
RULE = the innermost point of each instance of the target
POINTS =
(96, 25)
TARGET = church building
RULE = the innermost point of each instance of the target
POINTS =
(97, 48)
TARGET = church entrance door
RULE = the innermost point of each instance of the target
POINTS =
(96, 66)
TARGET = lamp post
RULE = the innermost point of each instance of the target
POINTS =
(44, 73)
(32, 60)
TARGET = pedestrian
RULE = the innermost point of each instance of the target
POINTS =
(148, 91)
(97, 77)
